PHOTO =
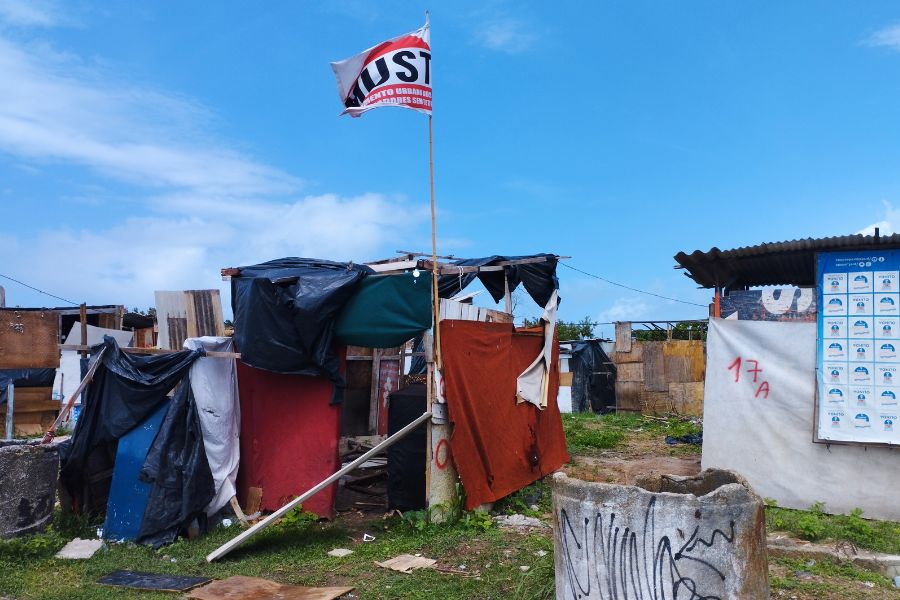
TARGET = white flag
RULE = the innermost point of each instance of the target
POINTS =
(394, 73)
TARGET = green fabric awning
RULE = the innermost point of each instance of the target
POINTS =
(386, 311)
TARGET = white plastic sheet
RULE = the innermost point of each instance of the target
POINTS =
(531, 385)
(68, 374)
(758, 421)
(214, 383)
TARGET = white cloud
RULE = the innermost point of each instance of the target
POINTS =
(29, 13)
(198, 204)
(505, 34)
(631, 308)
(889, 37)
(888, 225)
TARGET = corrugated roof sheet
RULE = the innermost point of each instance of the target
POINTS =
(774, 263)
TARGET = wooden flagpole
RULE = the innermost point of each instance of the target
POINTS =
(436, 301)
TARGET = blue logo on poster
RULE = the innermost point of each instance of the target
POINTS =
(860, 351)
(835, 330)
(835, 302)
(889, 394)
(886, 283)
(835, 346)
(861, 279)
(860, 307)
(888, 425)
(861, 325)
(835, 283)
(861, 370)
(862, 420)
(835, 421)
(888, 375)
(861, 398)
(888, 350)
(887, 300)
(835, 392)
(835, 374)
(886, 330)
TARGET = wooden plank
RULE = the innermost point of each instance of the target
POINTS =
(28, 339)
(692, 364)
(687, 398)
(636, 355)
(655, 403)
(565, 379)
(628, 396)
(654, 367)
(246, 535)
(623, 337)
(630, 372)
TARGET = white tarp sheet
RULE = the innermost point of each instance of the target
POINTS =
(68, 374)
(531, 385)
(764, 432)
(214, 383)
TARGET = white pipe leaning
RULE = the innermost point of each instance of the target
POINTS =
(246, 535)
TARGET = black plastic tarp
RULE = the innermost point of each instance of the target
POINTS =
(285, 312)
(178, 471)
(25, 378)
(124, 391)
(539, 278)
(593, 378)
(406, 459)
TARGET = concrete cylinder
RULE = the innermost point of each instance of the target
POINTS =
(667, 537)
(28, 476)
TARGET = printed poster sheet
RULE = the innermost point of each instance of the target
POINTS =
(857, 360)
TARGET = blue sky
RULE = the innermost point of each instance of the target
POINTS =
(145, 145)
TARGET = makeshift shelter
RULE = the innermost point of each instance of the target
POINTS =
(785, 403)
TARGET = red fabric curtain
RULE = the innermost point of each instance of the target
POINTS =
(289, 438)
(498, 446)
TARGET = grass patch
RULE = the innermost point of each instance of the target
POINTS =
(815, 525)
(820, 576)
(538, 494)
(587, 431)
(294, 552)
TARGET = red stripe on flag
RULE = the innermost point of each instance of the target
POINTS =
(408, 41)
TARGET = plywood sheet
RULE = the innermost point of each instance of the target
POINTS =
(687, 398)
(238, 587)
(628, 395)
(565, 379)
(630, 372)
(29, 339)
(656, 403)
(685, 360)
(654, 368)
(636, 355)
(623, 337)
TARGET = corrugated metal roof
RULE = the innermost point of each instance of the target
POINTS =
(791, 262)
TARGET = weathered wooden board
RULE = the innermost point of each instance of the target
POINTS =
(630, 372)
(654, 368)
(656, 403)
(623, 337)
(687, 398)
(628, 396)
(565, 379)
(29, 339)
(636, 354)
(685, 360)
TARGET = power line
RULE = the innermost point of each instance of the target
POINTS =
(38, 290)
(621, 285)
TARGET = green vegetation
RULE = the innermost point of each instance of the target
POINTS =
(486, 560)
(692, 330)
(537, 494)
(815, 525)
(568, 331)
(587, 431)
(818, 577)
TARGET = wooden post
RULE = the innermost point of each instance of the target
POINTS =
(82, 315)
(10, 408)
(246, 535)
(507, 295)
(375, 395)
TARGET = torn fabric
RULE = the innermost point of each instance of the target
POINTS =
(531, 385)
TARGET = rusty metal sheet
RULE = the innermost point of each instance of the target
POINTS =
(29, 339)
(238, 587)
(654, 367)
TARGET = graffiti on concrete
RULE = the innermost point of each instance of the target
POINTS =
(638, 561)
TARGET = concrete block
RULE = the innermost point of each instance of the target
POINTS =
(667, 537)
(27, 488)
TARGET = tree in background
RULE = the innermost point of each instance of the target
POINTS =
(689, 330)
(568, 330)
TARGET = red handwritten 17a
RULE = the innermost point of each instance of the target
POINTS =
(763, 388)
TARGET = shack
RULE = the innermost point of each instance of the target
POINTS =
(800, 393)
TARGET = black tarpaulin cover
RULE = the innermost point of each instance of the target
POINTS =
(25, 378)
(178, 471)
(285, 311)
(538, 278)
(124, 391)
(406, 459)
(593, 378)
